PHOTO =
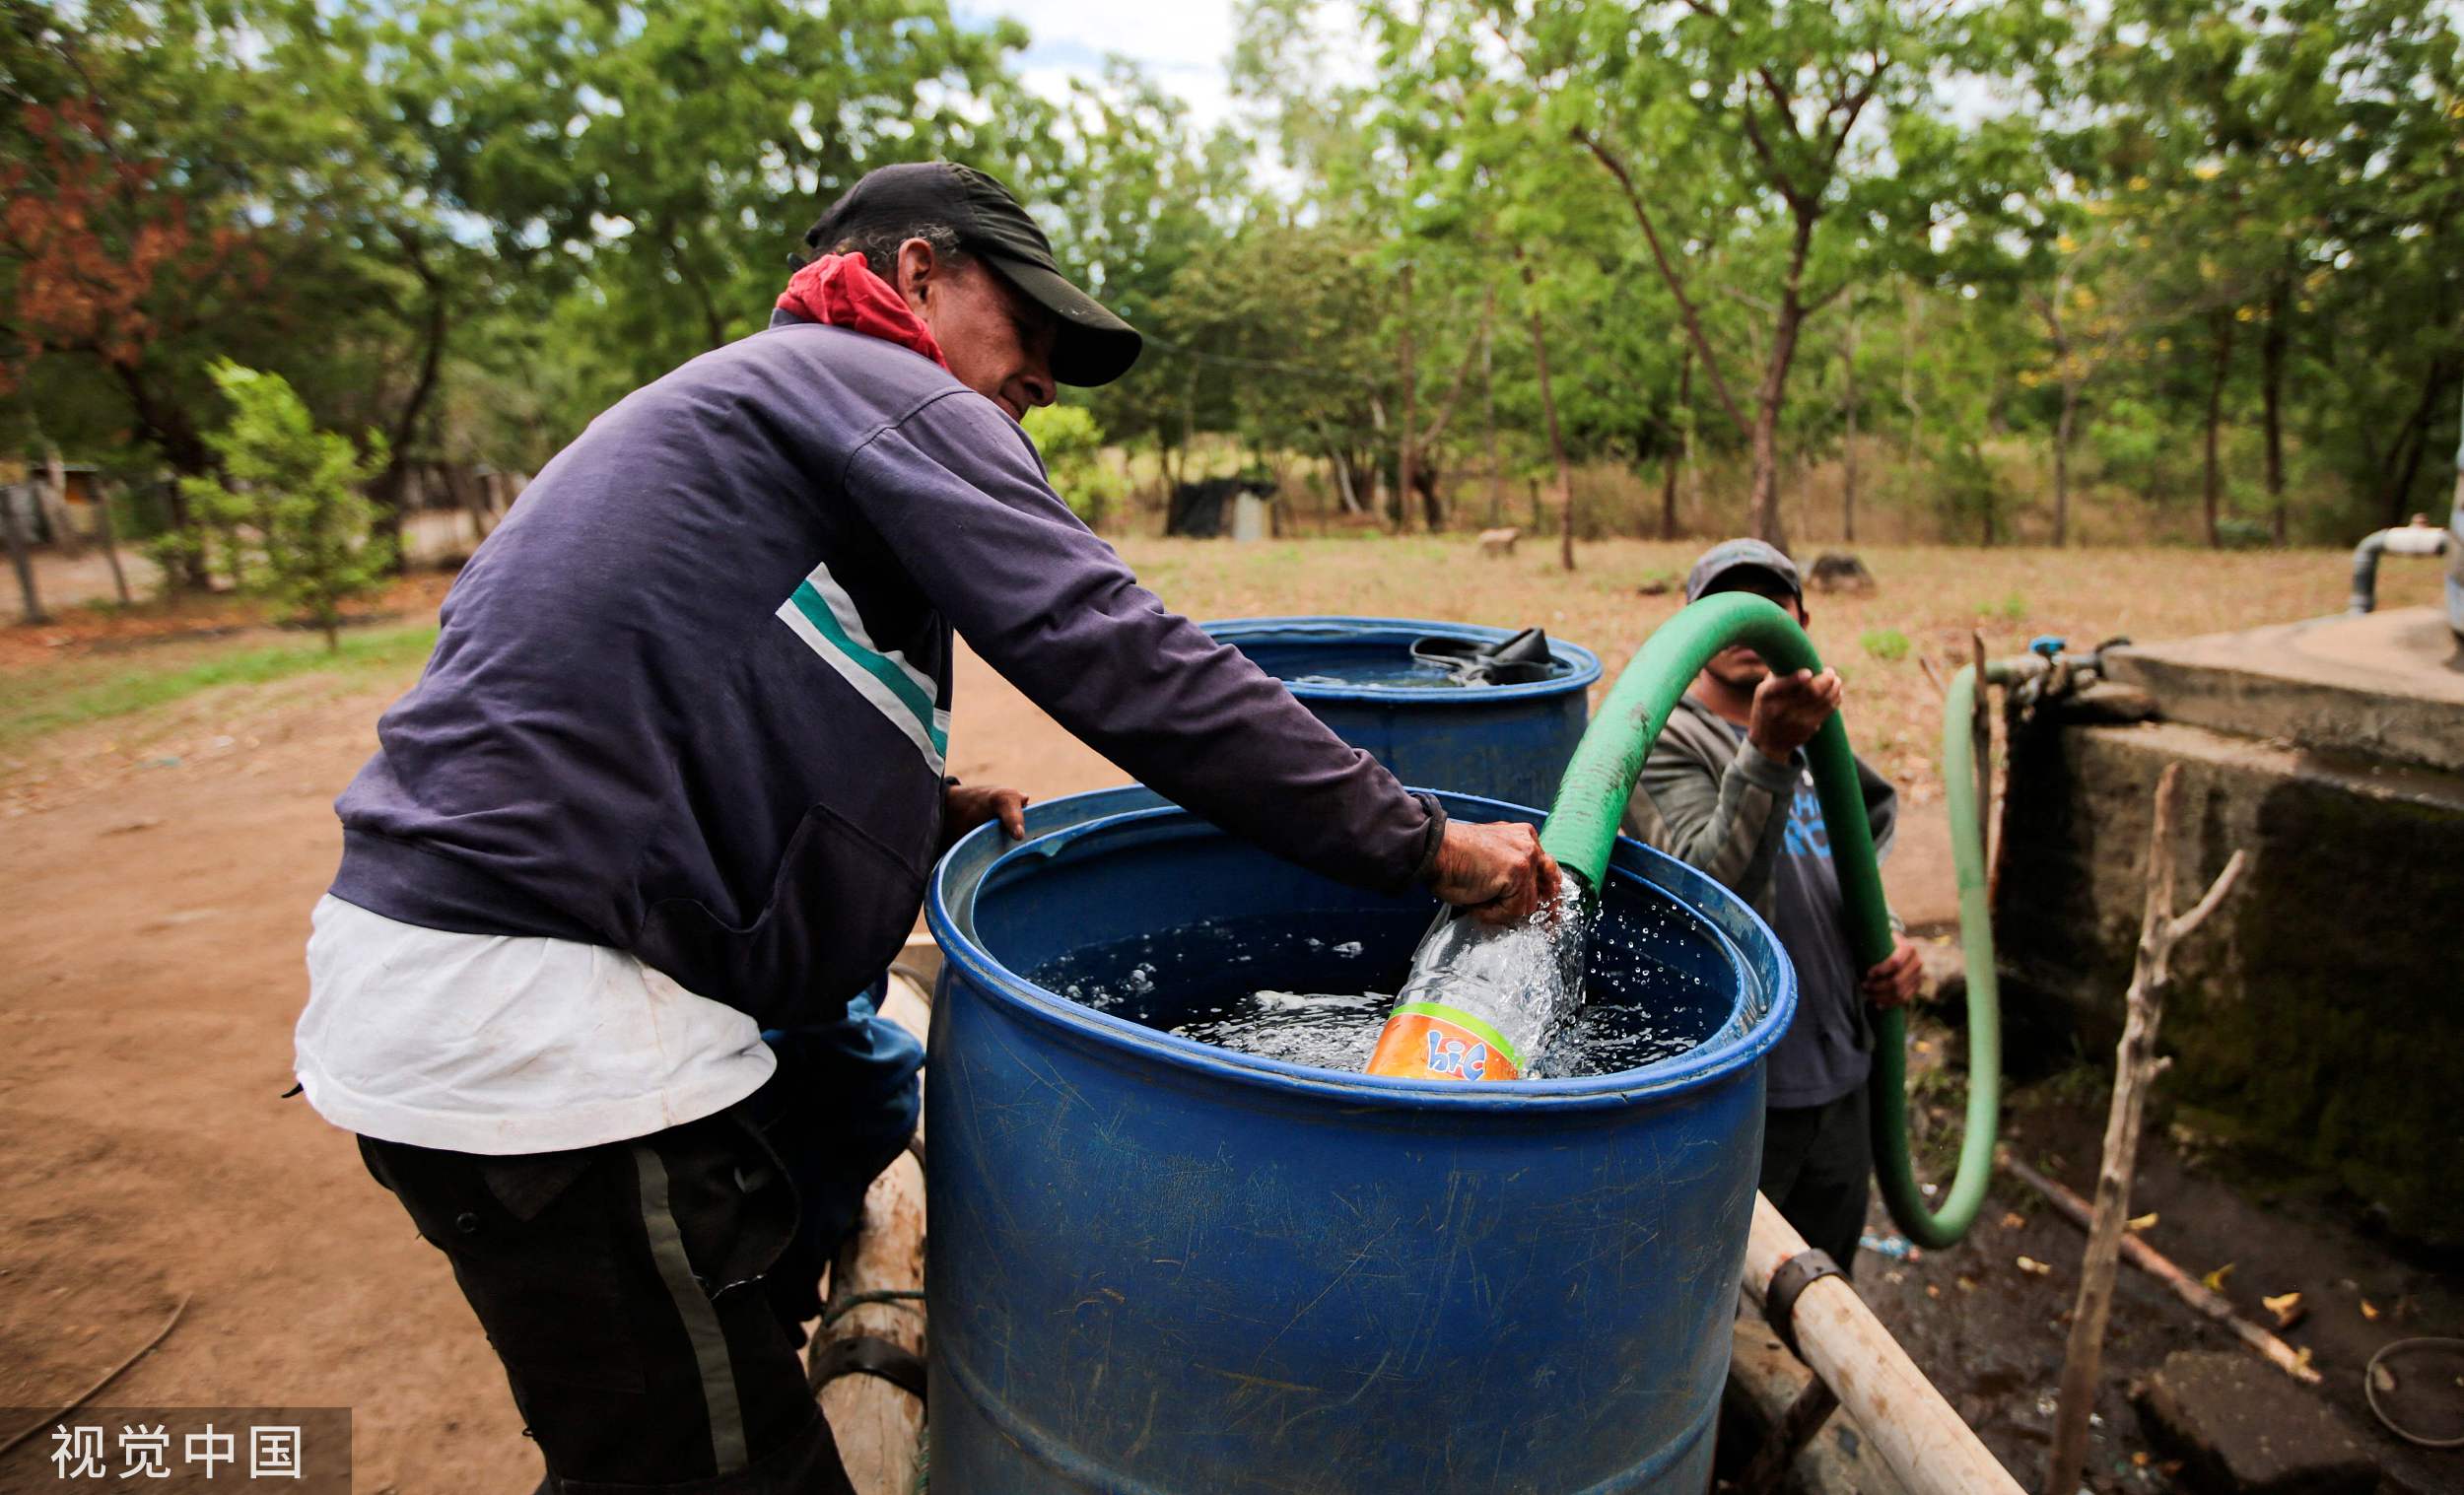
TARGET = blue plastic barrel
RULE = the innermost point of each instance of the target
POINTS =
(1505, 742)
(1161, 1266)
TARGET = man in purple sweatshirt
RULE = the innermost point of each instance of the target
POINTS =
(590, 983)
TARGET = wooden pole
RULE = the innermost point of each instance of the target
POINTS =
(2186, 1287)
(2136, 1067)
(1557, 442)
(879, 1426)
(1911, 1426)
(21, 558)
(111, 537)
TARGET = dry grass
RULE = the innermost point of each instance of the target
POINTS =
(1934, 595)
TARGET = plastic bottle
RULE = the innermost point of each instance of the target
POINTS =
(1483, 1001)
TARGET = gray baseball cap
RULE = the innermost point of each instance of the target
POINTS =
(1721, 562)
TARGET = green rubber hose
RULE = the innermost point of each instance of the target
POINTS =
(1581, 830)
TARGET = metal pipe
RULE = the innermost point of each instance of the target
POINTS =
(2415, 540)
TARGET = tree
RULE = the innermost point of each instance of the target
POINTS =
(295, 491)
(1745, 129)
(660, 162)
(1072, 447)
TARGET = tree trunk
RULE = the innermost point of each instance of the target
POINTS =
(1342, 468)
(1913, 314)
(1682, 447)
(109, 532)
(388, 488)
(20, 558)
(2271, 390)
(2409, 471)
(2211, 479)
(52, 495)
(1764, 522)
(1407, 440)
(1848, 443)
(1787, 324)
(166, 425)
(1556, 440)
(2062, 433)
(1763, 504)
(2403, 461)
(1488, 400)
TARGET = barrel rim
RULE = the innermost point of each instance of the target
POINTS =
(977, 855)
(1332, 625)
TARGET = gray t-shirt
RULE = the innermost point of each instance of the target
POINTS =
(1830, 1048)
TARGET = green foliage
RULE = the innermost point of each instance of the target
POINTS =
(1997, 242)
(1884, 644)
(287, 518)
(1072, 445)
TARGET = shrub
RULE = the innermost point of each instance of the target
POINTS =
(1072, 444)
(1883, 643)
(294, 525)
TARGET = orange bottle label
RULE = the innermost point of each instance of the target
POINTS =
(1425, 1041)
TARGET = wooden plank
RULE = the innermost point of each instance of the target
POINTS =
(1916, 1432)
(879, 1427)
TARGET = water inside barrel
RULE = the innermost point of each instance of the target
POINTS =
(1316, 988)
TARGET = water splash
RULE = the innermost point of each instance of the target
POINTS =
(1316, 988)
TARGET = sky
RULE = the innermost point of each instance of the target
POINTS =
(1182, 44)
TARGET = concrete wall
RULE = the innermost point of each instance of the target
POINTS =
(2322, 1014)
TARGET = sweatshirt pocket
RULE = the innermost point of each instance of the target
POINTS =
(841, 904)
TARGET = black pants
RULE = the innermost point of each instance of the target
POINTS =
(1817, 1167)
(645, 1296)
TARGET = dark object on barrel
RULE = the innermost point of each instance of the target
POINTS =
(1841, 571)
(1198, 508)
(1519, 660)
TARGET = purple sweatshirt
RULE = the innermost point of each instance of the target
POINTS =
(691, 699)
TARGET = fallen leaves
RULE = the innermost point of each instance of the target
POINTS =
(2288, 1309)
(2138, 1223)
(2034, 1267)
(2214, 1282)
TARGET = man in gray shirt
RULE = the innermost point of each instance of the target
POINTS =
(1726, 789)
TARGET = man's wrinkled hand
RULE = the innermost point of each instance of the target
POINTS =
(1895, 982)
(1497, 870)
(1789, 709)
(965, 806)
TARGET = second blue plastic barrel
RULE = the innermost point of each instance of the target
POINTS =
(1505, 742)
(1162, 1266)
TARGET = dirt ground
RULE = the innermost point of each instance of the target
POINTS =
(159, 872)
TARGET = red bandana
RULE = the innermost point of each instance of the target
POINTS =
(841, 290)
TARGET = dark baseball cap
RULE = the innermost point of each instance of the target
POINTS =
(1719, 568)
(1092, 347)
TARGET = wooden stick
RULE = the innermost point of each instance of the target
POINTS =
(878, 1426)
(110, 1376)
(2135, 1069)
(2186, 1287)
(1914, 1430)
(1769, 1468)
